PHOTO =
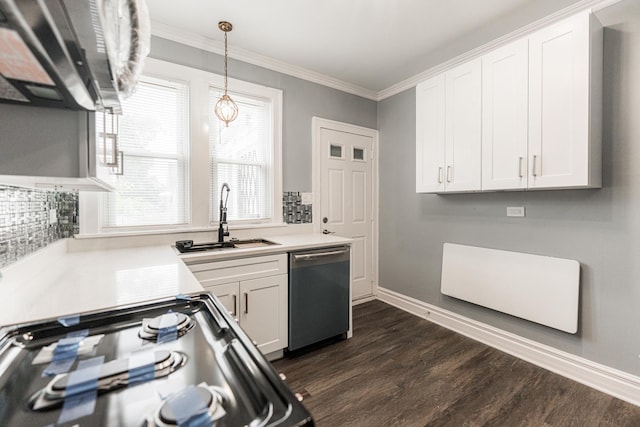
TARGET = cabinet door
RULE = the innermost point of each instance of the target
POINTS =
(263, 311)
(228, 294)
(559, 104)
(430, 135)
(463, 127)
(504, 117)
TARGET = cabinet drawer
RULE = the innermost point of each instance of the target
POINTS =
(219, 272)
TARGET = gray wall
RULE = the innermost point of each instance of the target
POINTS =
(599, 228)
(302, 100)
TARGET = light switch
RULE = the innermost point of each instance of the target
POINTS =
(53, 216)
(517, 211)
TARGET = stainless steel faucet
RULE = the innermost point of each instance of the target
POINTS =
(223, 214)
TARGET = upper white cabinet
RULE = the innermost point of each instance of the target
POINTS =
(430, 139)
(537, 102)
(50, 147)
(565, 104)
(448, 123)
(504, 117)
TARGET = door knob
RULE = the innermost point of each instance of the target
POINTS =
(325, 220)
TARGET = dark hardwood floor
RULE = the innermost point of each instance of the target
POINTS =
(400, 370)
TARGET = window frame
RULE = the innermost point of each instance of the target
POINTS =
(201, 198)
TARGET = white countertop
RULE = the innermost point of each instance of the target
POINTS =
(54, 282)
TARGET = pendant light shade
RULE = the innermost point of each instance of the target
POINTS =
(225, 109)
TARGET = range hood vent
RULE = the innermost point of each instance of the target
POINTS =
(69, 53)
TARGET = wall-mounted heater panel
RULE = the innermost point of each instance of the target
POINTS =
(538, 288)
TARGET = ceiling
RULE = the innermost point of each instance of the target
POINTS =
(371, 44)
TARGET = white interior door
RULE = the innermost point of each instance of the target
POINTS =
(347, 197)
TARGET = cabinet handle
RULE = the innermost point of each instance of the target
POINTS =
(520, 166)
(448, 173)
(440, 175)
(235, 305)
(533, 168)
(110, 159)
(120, 164)
(246, 303)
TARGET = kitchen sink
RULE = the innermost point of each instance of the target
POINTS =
(186, 246)
(252, 243)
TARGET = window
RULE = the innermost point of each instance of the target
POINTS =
(177, 155)
(241, 156)
(153, 134)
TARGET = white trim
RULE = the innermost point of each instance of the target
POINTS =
(204, 43)
(494, 44)
(317, 124)
(608, 380)
(200, 194)
(198, 41)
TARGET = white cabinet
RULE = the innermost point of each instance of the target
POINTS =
(430, 135)
(255, 292)
(524, 116)
(565, 84)
(448, 124)
(505, 96)
(59, 150)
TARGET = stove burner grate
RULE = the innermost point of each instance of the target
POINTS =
(168, 414)
(113, 375)
(166, 327)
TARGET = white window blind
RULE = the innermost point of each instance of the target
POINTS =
(154, 136)
(242, 156)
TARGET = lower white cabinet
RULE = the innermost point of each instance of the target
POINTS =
(255, 292)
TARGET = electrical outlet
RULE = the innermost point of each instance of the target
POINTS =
(516, 211)
(307, 198)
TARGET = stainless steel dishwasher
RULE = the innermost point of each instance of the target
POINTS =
(318, 295)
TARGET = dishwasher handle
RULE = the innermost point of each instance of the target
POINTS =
(315, 256)
(326, 256)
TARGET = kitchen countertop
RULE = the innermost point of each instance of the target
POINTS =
(54, 282)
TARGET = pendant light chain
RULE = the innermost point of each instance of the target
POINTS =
(226, 53)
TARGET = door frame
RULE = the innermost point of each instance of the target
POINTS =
(318, 123)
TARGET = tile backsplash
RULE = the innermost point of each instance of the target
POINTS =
(31, 219)
(293, 211)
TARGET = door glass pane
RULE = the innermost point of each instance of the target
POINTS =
(358, 154)
(335, 151)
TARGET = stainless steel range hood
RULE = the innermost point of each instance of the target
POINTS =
(58, 53)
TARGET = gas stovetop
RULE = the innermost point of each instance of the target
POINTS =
(173, 362)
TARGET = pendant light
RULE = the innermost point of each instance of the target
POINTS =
(226, 110)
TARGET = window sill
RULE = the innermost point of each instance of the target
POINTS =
(178, 230)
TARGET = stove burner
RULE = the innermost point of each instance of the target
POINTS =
(212, 398)
(166, 324)
(113, 375)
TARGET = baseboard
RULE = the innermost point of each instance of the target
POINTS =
(362, 300)
(616, 383)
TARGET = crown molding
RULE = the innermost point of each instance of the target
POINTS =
(593, 5)
(198, 41)
(204, 43)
